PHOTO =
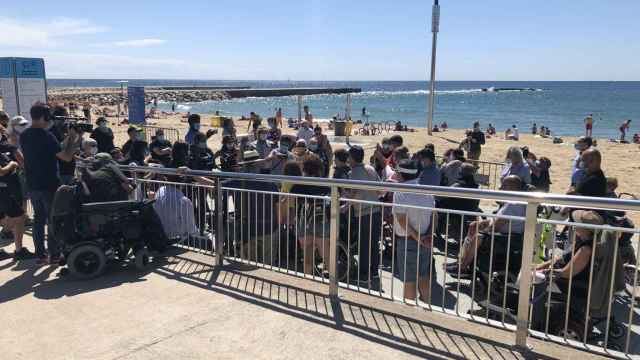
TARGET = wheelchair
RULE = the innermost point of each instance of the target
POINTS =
(91, 234)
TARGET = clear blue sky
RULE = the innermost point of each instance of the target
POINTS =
(326, 39)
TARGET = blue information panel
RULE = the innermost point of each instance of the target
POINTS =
(23, 83)
(136, 104)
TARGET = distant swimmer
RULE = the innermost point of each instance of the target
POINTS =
(588, 125)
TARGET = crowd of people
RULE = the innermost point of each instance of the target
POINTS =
(37, 157)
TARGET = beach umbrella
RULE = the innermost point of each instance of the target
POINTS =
(435, 25)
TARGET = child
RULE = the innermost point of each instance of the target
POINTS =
(540, 177)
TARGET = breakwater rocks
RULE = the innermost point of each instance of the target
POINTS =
(110, 97)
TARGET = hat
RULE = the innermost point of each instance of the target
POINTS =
(18, 120)
(407, 167)
(103, 157)
(251, 155)
(132, 128)
(301, 143)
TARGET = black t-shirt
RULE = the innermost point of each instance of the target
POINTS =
(159, 145)
(40, 147)
(580, 281)
(313, 190)
(104, 138)
(593, 184)
(479, 141)
(541, 182)
(7, 155)
(135, 151)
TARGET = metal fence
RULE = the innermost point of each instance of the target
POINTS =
(170, 134)
(487, 172)
(429, 247)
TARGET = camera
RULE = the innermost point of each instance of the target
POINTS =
(79, 124)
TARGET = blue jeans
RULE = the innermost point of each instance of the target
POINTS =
(41, 201)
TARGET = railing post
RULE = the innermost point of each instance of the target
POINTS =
(333, 239)
(524, 297)
(220, 212)
(134, 177)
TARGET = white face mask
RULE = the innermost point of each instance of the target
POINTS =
(20, 128)
(263, 137)
(93, 151)
(102, 125)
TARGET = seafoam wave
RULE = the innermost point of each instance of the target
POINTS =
(417, 92)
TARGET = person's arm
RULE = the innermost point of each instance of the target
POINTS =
(402, 220)
(68, 147)
(9, 168)
(19, 157)
(580, 261)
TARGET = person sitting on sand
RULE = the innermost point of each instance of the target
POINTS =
(444, 126)
(636, 138)
(436, 129)
(623, 130)
(491, 131)
(512, 133)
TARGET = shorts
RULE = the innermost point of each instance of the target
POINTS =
(417, 261)
(589, 126)
(10, 206)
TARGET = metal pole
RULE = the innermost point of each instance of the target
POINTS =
(524, 296)
(333, 242)
(221, 207)
(435, 26)
(299, 108)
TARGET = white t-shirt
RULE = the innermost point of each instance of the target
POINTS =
(511, 209)
(514, 133)
(305, 134)
(419, 219)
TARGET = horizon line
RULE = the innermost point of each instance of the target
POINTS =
(311, 80)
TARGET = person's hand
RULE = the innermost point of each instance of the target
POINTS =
(426, 241)
(211, 132)
(13, 165)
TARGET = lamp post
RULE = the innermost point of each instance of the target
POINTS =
(435, 26)
(122, 82)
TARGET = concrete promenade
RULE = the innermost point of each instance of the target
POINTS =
(183, 308)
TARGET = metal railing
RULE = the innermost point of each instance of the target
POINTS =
(487, 172)
(398, 248)
(170, 134)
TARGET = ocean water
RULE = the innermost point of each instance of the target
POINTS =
(561, 106)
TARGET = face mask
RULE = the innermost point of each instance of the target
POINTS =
(20, 128)
(160, 137)
(313, 147)
(581, 165)
(102, 125)
(578, 147)
(93, 151)
(196, 126)
(140, 137)
(263, 137)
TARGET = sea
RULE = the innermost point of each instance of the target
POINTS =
(559, 105)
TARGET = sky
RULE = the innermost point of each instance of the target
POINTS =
(326, 39)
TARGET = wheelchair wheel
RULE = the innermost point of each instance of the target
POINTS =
(142, 258)
(86, 262)
(616, 330)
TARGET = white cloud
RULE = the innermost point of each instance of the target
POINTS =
(136, 43)
(37, 34)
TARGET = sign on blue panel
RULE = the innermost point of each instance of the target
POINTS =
(29, 68)
(136, 104)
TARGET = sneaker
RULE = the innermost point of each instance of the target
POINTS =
(4, 255)
(23, 254)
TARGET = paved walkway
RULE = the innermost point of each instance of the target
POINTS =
(183, 308)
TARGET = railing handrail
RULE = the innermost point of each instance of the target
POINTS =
(478, 161)
(508, 196)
